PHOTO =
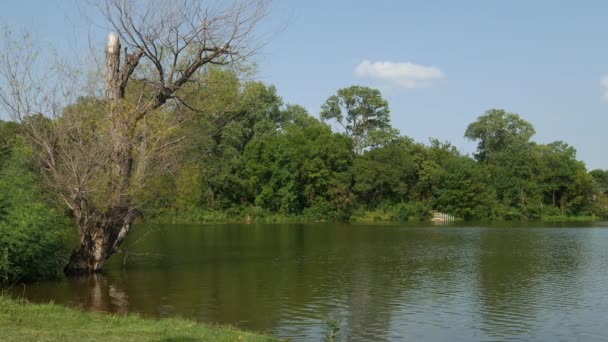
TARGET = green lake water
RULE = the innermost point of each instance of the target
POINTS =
(379, 283)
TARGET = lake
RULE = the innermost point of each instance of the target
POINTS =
(377, 283)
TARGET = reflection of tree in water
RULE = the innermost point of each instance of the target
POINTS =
(274, 278)
(522, 271)
(389, 270)
(98, 292)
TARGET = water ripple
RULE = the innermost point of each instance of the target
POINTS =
(375, 283)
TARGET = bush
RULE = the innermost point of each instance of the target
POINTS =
(323, 211)
(413, 211)
(33, 233)
(32, 243)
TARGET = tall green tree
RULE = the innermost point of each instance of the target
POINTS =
(303, 170)
(254, 111)
(558, 170)
(363, 114)
(498, 130)
(505, 149)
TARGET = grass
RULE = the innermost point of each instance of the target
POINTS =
(218, 216)
(21, 321)
(373, 216)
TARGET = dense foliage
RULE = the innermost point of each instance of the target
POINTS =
(33, 231)
(254, 158)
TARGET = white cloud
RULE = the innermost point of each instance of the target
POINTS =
(405, 75)
(604, 84)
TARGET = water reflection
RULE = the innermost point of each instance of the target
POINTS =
(380, 283)
(524, 272)
(100, 293)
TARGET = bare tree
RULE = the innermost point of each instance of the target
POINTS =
(99, 154)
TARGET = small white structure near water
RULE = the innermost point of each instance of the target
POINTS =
(440, 217)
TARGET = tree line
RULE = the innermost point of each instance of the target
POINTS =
(251, 156)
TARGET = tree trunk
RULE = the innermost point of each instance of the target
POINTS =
(99, 242)
(97, 245)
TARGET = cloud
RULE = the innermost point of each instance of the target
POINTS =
(604, 84)
(405, 75)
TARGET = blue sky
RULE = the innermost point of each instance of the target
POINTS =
(449, 60)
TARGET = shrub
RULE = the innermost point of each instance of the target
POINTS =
(413, 211)
(33, 233)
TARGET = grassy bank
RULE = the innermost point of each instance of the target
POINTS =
(232, 216)
(20, 321)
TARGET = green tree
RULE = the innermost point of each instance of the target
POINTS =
(8, 132)
(515, 175)
(498, 130)
(600, 203)
(303, 170)
(362, 113)
(229, 115)
(388, 174)
(463, 191)
(558, 171)
(579, 198)
(601, 179)
(430, 160)
(254, 112)
(512, 161)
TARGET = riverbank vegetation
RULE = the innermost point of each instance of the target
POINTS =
(21, 321)
(184, 138)
(249, 157)
(34, 231)
(274, 163)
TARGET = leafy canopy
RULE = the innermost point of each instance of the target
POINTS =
(361, 111)
(498, 130)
